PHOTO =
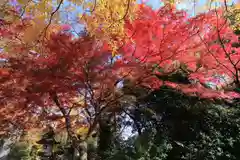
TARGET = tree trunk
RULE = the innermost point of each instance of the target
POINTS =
(83, 147)
(105, 138)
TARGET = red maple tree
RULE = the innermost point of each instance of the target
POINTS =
(33, 82)
(168, 41)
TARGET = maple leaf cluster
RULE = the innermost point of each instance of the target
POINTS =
(200, 48)
(67, 66)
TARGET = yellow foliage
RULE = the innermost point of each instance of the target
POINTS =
(171, 1)
(234, 16)
(82, 131)
(22, 2)
(5, 13)
(42, 8)
(104, 18)
(79, 100)
(33, 32)
(33, 135)
(106, 21)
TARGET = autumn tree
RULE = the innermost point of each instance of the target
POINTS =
(169, 42)
(51, 76)
(66, 82)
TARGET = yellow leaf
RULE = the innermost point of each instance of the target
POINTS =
(33, 32)
(106, 20)
(9, 18)
(22, 2)
(237, 6)
(82, 130)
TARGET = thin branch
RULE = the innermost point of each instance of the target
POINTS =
(124, 16)
(24, 8)
(210, 52)
(225, 5)
(51, 17)
(94, 6)
(226, 53)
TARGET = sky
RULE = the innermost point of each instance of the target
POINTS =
(185, 4)
(155, 4)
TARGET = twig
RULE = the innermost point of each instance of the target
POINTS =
(51, 17)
